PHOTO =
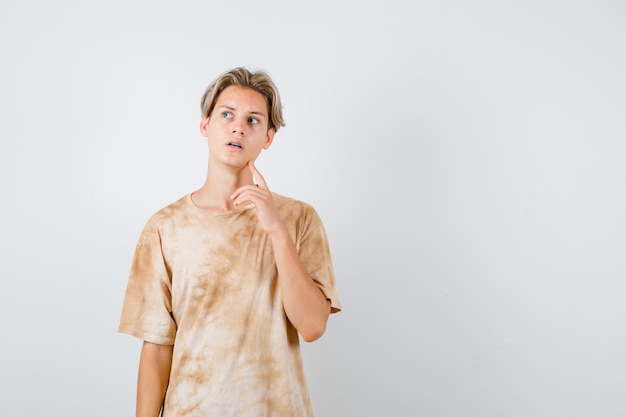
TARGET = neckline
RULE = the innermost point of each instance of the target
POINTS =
(210, 212)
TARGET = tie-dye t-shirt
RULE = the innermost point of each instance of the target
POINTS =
(207, 283)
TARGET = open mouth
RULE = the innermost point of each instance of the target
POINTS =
(235, 145)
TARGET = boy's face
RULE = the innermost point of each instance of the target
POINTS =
(237, 129)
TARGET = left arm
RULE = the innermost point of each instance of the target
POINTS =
(305, 305)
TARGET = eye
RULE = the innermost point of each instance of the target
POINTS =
(227, 115)
(253, 120)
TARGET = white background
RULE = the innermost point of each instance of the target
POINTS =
(467, 159)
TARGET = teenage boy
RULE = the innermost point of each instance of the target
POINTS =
(226, 280)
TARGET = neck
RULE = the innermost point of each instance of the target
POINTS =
(219, 185)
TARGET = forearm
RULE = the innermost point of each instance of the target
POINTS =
(305, 305)
(154, 370)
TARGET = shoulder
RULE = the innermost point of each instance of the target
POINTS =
(288, 203)
(169, 213)
(293, 209)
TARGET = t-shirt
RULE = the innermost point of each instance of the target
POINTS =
(207, 283)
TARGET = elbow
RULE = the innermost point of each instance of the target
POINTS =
(313, 333)
(314, 326)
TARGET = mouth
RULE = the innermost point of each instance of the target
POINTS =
(236, 145)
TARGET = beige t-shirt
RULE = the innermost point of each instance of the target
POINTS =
(208, 284)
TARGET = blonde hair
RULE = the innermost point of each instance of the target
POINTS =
(258, 81)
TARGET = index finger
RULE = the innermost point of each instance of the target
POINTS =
(257, 175)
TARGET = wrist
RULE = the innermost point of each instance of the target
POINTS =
(280, 233)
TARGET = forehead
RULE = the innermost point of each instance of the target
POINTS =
(242, 98)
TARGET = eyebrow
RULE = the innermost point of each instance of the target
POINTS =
(252, 112)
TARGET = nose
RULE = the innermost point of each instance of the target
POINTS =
(238, 127)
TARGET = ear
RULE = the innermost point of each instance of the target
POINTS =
(270, 138)
(204, 122)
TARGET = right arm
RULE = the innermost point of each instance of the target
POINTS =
(154, 372)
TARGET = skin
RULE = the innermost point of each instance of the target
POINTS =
(237, 131)
(154, 369)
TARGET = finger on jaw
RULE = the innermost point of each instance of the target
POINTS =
(257, 175)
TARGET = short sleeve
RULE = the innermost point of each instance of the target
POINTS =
(147, 307)
(314, 251)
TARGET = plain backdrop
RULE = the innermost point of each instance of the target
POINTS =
(466, 157)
